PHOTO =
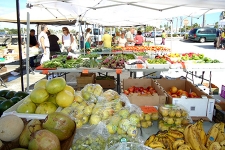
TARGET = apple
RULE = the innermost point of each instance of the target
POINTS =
(185, 93)
(79, 124)
(131, 89)
(111, 128)
(173, 89)
(169, 93)
(126, 92)
(192, 95)
(179, 92)
(174, 95)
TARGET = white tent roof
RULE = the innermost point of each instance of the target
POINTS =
(122, 12)
(41, 14)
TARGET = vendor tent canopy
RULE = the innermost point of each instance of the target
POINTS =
(131, 12)
(41, 14)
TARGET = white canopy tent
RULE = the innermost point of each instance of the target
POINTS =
(132, 12)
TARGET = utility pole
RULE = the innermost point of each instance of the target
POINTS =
(203, 22)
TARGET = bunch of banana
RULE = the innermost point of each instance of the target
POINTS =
(170, 140)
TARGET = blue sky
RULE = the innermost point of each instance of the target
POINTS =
(7, 6)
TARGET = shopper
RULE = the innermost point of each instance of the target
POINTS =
(107, 40)
(139, 38)
(67, 40)
(117, 37)
(44, 43)
(122, 40)
(33, 43)
(163, 37)
(87, 38)
(222, 39)
(130, 37)
(218, 38)
(54, 46)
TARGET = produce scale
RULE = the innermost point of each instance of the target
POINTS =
(145, 112)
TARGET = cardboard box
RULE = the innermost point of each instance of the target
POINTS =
(205, 87)
(84, 79)
(197, 107)
(107, 82)
(155, 100)
(219, 109)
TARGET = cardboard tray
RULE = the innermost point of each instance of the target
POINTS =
(154, 100)
(65, 145)
(157, 66)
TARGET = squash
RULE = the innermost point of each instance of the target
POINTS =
(11, 127)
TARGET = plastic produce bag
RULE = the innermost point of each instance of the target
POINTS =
(110, 95)
(129, 146)
(95, 140)
(117, 139)
(91, 92)
(174, 117)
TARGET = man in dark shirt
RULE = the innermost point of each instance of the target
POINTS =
(54, 46)
(33, 42)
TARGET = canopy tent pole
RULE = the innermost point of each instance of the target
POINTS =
(37, 30)
(84, 36)
(171, 30)
(154, 35)
(27, 51)
(80, 35)
(19, 43)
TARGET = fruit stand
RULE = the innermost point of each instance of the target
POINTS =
(141, 114)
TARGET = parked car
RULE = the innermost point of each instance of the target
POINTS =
(202, 34)
(158, 34)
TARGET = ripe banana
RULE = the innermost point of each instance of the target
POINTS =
(193, 139)
(172, 139)
(222, 143)
(212, 134)
(201, 132)
(220, 137)
(215, 146)
(150, 139)
(177, 143)
(186, 132)
(31, 127)
(156, 139)
(156, 145)
(184, 147)
(221, 127)
(176, 134)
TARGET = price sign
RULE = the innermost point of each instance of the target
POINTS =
(85, 71)
(44, 71)
(118, 71)
(149, 109)
(139, 66)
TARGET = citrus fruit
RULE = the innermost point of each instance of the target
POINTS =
(64, 98)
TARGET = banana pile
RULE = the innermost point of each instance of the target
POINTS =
(171, 140)
(193, 138)
(196, 137)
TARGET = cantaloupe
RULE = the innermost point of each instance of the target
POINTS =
(11, 127)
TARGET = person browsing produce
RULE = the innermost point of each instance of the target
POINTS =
(139, 39)
(163, 37)
(33, 43)
(130, 37)
(87, 38)
(122, 40)
(107, 40)
(44, 43)
(67, 40)
(54, 46)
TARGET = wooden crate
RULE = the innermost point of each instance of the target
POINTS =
(85, 78)
(106, 83)
(65, 145)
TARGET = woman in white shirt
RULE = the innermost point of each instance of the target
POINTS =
(88, 38)
(122, 40)
(67, 39)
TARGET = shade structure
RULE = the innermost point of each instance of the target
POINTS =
(41, 14)
(132, 12)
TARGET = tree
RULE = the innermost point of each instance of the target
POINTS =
(195, 25)
(149, 28)
(161, 27)
(216, 25)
